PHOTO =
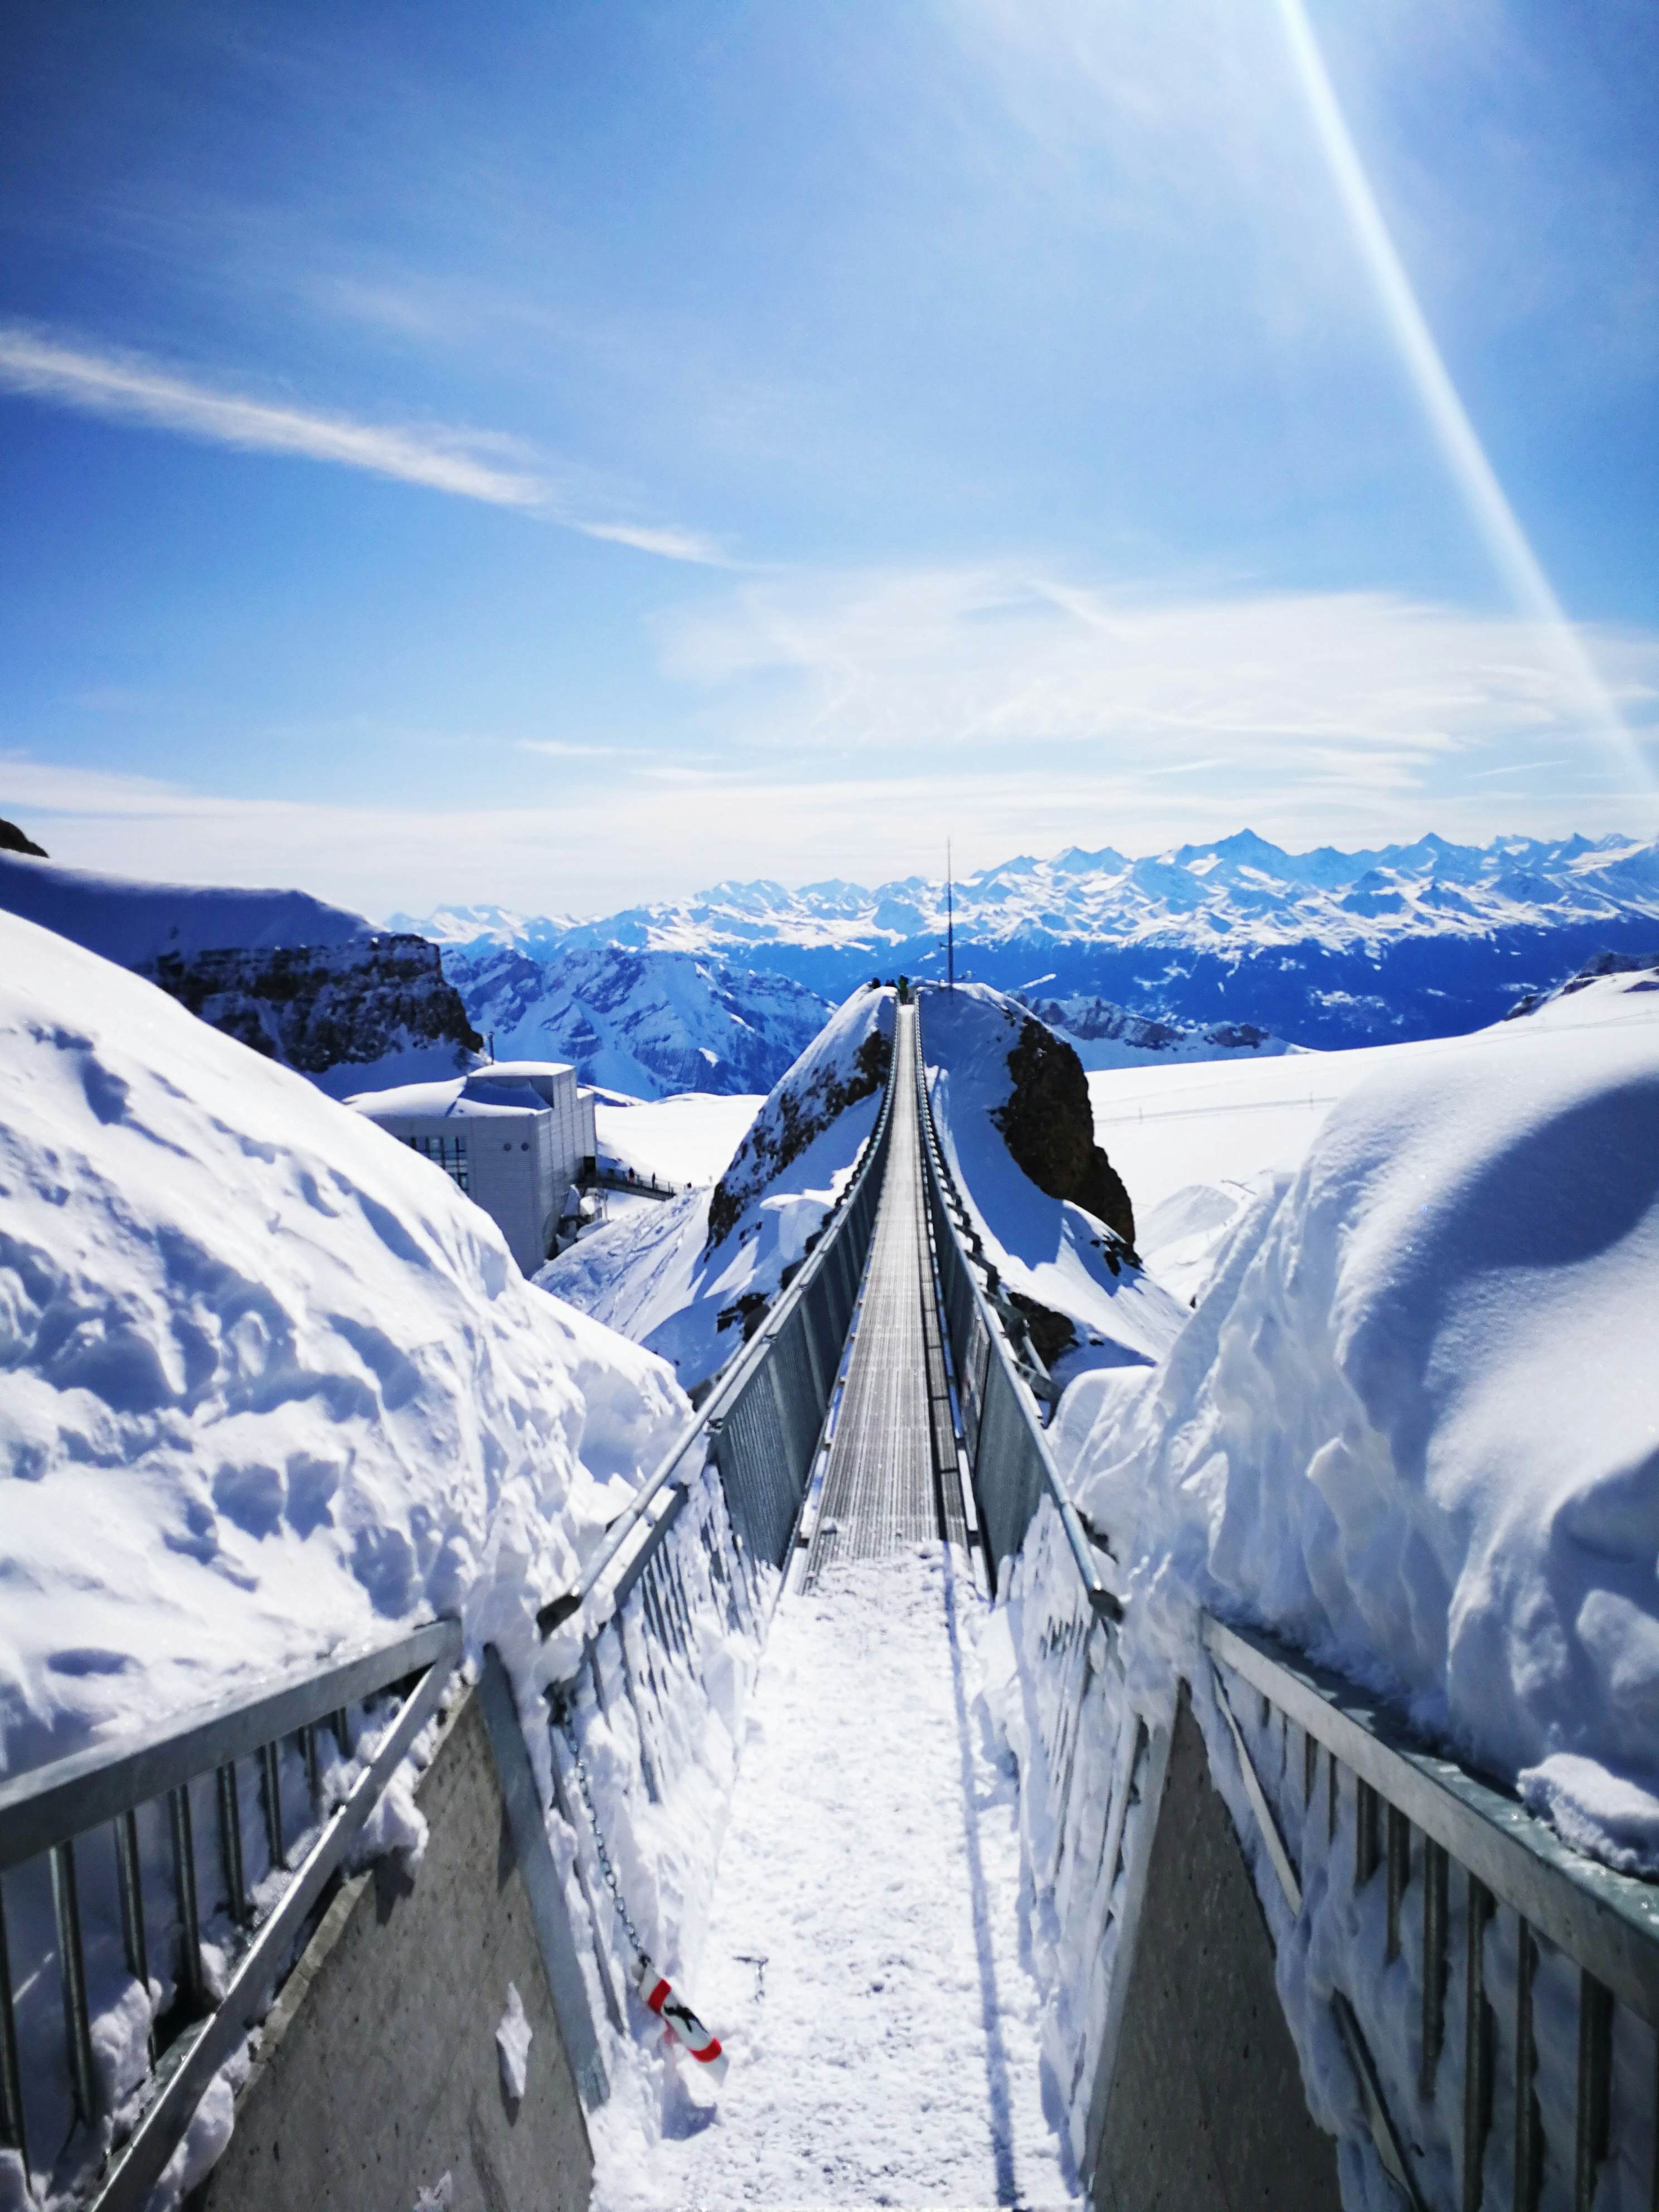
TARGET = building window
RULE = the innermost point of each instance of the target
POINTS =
(449, 1153)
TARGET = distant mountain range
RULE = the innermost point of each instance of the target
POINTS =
(649, 1023)
(1322, 948)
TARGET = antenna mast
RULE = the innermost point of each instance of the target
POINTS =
(950, 924)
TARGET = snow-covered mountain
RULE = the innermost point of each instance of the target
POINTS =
(304, 983)
(1322, 948)
(693, 1280)
(539, 935)
(1010, 1105)
(646, 1023)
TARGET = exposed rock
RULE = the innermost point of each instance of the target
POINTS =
(1052, 1334)
(318, 1006)
(13, 840)
(789, 1123)
(1048, 1127)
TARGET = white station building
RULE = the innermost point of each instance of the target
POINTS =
(514, 1135)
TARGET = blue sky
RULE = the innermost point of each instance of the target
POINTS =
(568, 454)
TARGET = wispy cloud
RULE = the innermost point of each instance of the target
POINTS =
(967, 659)
(672, 544)
(467, 464)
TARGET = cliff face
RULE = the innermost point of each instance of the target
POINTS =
(313, 1007)
(1047, 1125)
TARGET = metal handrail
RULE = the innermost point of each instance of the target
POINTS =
(1104, 1601)
(46, 1814)
(705, 1423)
(1608, 1922)
(55, 1803)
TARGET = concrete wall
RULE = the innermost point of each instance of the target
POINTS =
(377, 2071)
(1206, 2112)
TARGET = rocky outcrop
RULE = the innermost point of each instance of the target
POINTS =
(791, 1119)
(1048, 1127)
(13, 840)
(317, 1007)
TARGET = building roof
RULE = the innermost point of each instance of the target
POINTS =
(456, 1099)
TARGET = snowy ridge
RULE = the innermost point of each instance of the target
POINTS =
(1090, 1302)
(692, 1280)
(131, 921)
(305, 984)
(1322, 947)
(647, 1024)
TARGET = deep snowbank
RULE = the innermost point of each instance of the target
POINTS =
(1089, 1301)
(692, 1278)
(269, 1384)
(1413, 1426)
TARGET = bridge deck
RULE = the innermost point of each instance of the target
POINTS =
(892, 1481)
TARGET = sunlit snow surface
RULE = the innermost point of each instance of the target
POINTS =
(272, 1385)
(1413, 1426)
(863, 1962)
(683, 1140)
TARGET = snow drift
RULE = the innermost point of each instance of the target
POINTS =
(272, 1386)
(692, 1280)
(1414, 1427)
(1074, 1276)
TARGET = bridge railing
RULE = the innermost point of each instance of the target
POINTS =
(186, 1869)
(1498, 2034)
(1499, 2020)
(1086, 1760)
(674, 1610)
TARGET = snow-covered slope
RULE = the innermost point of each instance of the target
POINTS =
(1611, 978)
(649, 1024)
(271, 1384)
(307, 984)
(1105, 1036)
(681, 1140)
(1413, 1426)
(1014, 1125)
(1322, 948)
(693, 1278)
(131, 921)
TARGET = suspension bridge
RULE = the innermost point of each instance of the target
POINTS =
(1278, 1954)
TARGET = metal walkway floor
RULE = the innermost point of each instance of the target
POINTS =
(891, 1481)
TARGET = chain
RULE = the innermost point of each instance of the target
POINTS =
(603, 1856)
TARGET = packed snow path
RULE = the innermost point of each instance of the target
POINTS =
(891, 1481)
(864, 1961)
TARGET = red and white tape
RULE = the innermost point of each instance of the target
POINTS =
(680, 2024)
